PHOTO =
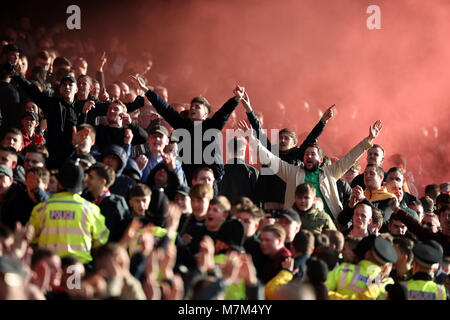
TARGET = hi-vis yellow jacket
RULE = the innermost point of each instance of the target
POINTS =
(70, 225)
(350, 279)
(425, 290)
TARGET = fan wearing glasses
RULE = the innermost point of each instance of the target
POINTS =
(431, 221)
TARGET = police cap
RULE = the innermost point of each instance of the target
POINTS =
(383, 250)
(428, 252)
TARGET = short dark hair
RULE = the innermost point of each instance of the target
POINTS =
(405, 245)
(37, 148)
(41, 173)
(10, 150)
(395, 169)
(44, 55)
(336, 237)
(427, 204)
(89, 79)
(305, 188)
(378, 169)
(443, 209)
(303, 241)
(197, 171)
(377, 146)
(443, 199)
(377, 216)
(13, 131)
(104, 172)
(40, 254)
(140, 190)
(327, 255)
(315, 145)
(61, 62)
(202, 100)
(432, 190)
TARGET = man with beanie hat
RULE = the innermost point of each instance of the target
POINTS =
(422, 287)
(66, 222)
(349, 279)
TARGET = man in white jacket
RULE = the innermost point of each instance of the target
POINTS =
(323, 178)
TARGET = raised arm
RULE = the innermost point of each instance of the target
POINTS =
(340, 167)
(38, 97)
(315, 132)
(162, 107)
(254, 122)
(220, 118)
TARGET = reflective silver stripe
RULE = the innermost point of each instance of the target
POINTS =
(84, 221)
(352, 286)
(440, 292)
(66, 247)
(63, 201)
(103, 235)
(59, 230)
(42, 221)
(343, 277)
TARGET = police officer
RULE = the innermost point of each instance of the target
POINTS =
(352, 279)
(66, 222)
(422, 287)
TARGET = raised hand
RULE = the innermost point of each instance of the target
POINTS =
(231, 268)
(104, 96)
(246, 103)
(169, 160)
(329, 113)
(126, 119)
(103, 60)
(248, 271)
(79, 136)
(394, 204)
(88, 106)
(238, 93)
(131, 233)
(128, 136)
(374, 130)
(288, 263)
(357, 196)
(173, 218)
(142, 161)
(139, 81)
(205, 257)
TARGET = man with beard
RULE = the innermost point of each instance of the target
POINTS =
(323, 178)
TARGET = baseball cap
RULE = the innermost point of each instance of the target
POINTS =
(289, 214)
(6, 171)
(32, 114)
(68, 78)
(183, 189)
(158, 129)
(10, 48)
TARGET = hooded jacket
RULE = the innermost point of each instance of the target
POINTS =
(123, 183)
